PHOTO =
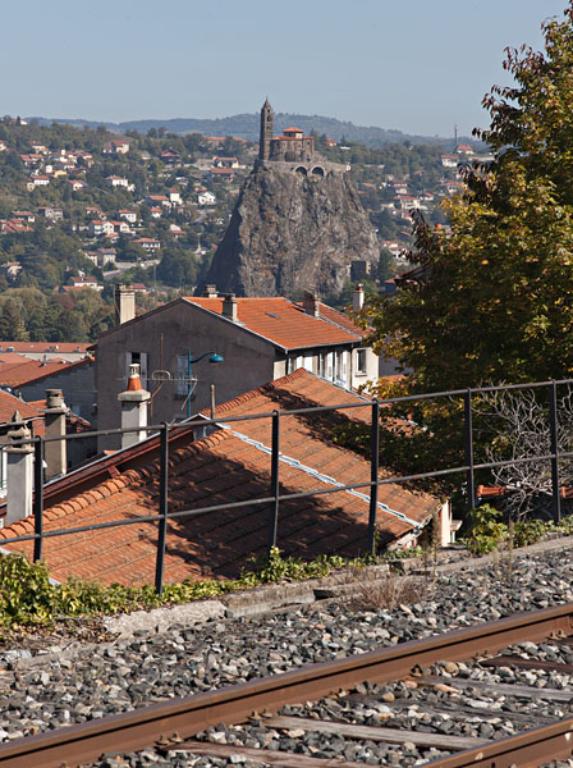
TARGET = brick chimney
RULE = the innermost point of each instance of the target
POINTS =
(311, 304)
(55, 452)
(358, 297)
(210, 291)
(134, 403)
(124, 304)
(20, 472)
(230, 307)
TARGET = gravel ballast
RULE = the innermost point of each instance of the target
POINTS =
(42, 693)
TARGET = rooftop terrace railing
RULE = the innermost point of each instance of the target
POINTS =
(274, 498)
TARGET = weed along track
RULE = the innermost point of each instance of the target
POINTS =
(423, 700)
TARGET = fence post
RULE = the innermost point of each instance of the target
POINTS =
(374, 467)
(38, 497)
(275, 487)
(163, 506)
(554, 440)
(469, 448)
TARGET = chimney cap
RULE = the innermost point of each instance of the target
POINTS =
(55, 400)
(134, 391)
(230, 307)
(19, 431)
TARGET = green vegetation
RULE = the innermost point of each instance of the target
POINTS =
(487, 531)
(28, 314)
(493, 304)
(27, 596)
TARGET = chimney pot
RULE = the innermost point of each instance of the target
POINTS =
(134, 402)
(20, 472)
(210, 291)
(358, 297)
(230, 307)
(55, 419)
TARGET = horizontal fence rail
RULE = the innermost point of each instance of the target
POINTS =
(166, 431)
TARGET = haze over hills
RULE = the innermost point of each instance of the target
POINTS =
(247, 126)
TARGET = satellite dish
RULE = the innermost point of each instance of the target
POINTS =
(160, 375)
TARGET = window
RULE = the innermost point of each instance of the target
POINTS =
(182, 376)
(342, 367)
(309, 362)
(361, 361)
(329, 366)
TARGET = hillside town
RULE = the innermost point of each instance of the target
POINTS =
(152, 210)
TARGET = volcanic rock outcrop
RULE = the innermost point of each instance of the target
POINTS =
(298, 223)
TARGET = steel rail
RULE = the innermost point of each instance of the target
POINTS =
(79, 744)
(531, 749)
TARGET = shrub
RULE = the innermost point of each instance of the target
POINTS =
(486, 530)
(27, 596)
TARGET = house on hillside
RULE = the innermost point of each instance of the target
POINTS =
(150, 244)
(116, 147)
(206, 198)
(118, 181)
(230, 463)
(260, 339)
(88, 281)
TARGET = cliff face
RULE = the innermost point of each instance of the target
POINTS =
(290, 232)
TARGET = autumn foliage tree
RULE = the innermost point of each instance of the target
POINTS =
(493, 300)
(491, 297)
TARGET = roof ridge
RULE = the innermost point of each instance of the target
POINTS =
(263, 389)
(130, 478)
(338, 325)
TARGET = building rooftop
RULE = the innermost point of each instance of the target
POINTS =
(286, 324)
(39, 347)
(231, 464)
(9, 404)
(16, 373)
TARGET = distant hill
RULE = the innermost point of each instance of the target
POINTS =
(247, 126)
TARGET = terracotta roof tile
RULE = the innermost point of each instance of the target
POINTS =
(16, 373)
(227, 467)
(285, 323)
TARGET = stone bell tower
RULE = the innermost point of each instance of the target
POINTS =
(266, 135)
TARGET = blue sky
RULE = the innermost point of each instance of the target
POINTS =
(416, 65)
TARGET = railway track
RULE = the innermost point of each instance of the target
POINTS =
(411, 691)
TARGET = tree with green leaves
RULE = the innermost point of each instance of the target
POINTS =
(493, 299)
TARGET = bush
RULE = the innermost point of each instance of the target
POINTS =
(528, 532)
(486, 531)
(27, 596)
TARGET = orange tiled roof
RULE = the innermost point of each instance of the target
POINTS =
(286, 324)
(9, 404)
(228, 466)
(17, 373)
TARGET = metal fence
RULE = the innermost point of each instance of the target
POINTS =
(275, 498)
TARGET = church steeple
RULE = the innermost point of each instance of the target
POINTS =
(266, 134)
